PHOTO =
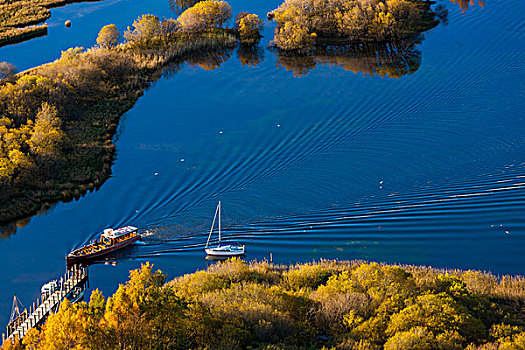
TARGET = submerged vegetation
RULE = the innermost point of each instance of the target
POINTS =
(323, 305)
(18, 18)
(304, 24)
(58, 120)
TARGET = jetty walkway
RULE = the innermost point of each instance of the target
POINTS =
(49, 302)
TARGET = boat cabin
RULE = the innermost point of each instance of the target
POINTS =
(49, 288)
(111, 236)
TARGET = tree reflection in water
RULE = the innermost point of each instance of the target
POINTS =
(466, 4)
(10, 229)
(210, 60)
(250, 55)
(392, 60)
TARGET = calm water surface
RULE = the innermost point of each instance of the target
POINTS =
(339, 163)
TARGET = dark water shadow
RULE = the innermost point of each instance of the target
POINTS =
(392, 60)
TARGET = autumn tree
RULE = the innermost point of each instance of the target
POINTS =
(31, 339)
(205, 15)
(108, 36)
(144, 29)
(65, 329)
(12, 344)
(438, 313)
(249, 26)
(169, 26)
(6, 70)
(294, 36)
(47, 134)
(142, 312)
(350, 20)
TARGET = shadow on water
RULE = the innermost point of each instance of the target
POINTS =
(392, 60)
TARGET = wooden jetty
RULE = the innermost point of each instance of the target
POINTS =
(49, 302)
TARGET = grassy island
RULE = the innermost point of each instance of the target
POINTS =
(321, 305)
(19, 19)
(58, 120)
(304, 24)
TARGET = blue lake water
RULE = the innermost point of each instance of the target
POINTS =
(428, 168)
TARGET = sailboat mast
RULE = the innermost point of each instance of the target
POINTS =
(219, 222)
(15, 311)
(213, 224)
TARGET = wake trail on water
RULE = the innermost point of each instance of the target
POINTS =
(455, 211)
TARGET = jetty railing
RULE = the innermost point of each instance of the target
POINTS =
(49, 302)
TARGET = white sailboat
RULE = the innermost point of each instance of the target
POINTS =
(222, 250)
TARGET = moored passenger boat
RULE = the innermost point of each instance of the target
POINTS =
(110, 240)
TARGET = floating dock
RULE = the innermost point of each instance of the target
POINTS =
(18, 326)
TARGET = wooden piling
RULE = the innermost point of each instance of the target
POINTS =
(44, 304)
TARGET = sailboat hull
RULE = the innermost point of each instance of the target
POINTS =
(222, 251)
(225, 252)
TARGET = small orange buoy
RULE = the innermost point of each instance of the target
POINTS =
(68, 23)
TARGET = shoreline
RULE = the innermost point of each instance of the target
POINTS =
(324, 304)
(87, 160)
(22, 29)
(89, 90)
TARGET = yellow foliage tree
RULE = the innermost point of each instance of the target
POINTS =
(31, 339)
(46, 135)
(205, 15)
(125, 311)
(249, 26)
(143, 31)
(361, 20)
(65, 329)
(108, 36)
(294, 36)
